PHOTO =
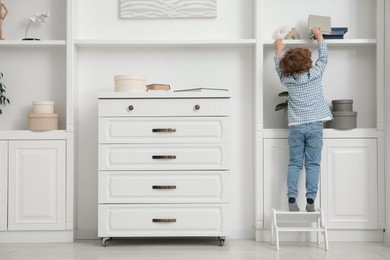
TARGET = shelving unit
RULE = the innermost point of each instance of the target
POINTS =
(34, 71)
(85, 44)
(354, 71)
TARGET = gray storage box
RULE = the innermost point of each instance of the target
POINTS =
(342, 105)
(343, 120)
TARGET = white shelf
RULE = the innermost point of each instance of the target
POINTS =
(45, 43)
(330, 133)
(284, 212)
(33, 135)
(166, 43)
(300, 229)
(340, 42)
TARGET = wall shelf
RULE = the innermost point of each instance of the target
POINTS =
(32, 135)
(166, 43)
(341, 42)
(329, 133)
(45, 43)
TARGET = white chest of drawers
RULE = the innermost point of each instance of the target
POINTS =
(163, 165)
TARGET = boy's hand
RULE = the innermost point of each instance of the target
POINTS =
(279, 45)
(318, 34)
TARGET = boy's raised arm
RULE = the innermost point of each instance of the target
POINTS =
(318, 34)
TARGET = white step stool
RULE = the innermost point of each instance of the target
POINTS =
(320, 227)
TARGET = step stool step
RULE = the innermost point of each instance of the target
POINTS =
(319, 228)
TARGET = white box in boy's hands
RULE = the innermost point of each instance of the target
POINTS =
(322, 22)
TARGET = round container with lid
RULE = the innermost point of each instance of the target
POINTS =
(342, 105)
(343, 120)
(46, 107)
(129, 83)
(42, 121)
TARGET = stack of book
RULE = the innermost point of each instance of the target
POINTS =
(157, 86)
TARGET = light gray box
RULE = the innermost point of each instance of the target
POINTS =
(323, 22)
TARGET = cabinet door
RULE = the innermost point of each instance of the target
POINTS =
(349, 183)
(3, 184)
(36, 185)
(276, 157)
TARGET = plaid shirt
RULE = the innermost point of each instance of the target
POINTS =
(306, 101)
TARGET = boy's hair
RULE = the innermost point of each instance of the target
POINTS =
(296, 61)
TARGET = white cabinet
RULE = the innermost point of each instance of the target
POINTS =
(349, 180)
(348, 187)
(36, 185)
(163, 166)
(33, 194)
(3, 184)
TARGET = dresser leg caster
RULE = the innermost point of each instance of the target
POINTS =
(105, 241)
(221, 241)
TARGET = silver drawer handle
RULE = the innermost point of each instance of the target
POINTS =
(197, 107)
(164, 187)
(163, 130)
(164, 220)
(163, 157)
(131, 107)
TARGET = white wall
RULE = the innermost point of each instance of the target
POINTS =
(17, 19)
(99, 19)
(181, 67)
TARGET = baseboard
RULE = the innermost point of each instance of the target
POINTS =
(86, 234)
(386, 238)
(36, 236)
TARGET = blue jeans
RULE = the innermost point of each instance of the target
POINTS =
(305, 143)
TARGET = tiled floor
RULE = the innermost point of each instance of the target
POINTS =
(191, 249)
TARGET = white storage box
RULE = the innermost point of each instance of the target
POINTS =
(43, 107)
(42, 121)
(129, 83)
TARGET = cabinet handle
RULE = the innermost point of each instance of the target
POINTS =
(165, 130)
(197, 107)
(164, 187)
(131, 107)
(164, 220)
(163, 157)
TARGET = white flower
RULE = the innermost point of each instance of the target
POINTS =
(40, 17)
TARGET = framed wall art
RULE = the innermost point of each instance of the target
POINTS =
(144, 9)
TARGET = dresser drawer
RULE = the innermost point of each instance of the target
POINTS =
(164, 107)
(163, 157)
(163, 187)
(163, 220)
(164, 130)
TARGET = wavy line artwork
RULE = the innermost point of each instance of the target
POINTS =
(133, 9)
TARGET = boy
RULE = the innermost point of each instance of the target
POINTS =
(307, 109)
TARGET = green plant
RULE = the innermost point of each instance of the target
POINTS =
(3, 99)
(283, 105)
